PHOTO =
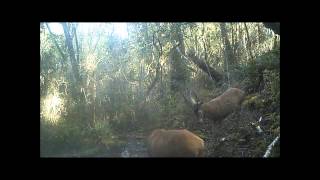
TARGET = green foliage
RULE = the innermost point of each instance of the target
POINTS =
(263, 71)
(58, 139)
(70, 137)
(272, 86)
(269, 60)
(254, 101)
(179, 73)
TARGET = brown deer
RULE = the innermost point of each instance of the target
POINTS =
(219, 107)
(175, 143)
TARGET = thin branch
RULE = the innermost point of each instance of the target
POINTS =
(125, 77)
(95, 46)
(157, 77)
(56, 43)
(155, 80)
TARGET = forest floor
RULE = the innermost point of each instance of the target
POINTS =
(134, 146)
(234, 136)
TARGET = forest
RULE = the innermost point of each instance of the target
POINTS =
(182, 89)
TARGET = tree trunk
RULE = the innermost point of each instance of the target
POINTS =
(77, 44)
(259, 34)
(140, 79)
(230, 59)
(233, 39)
(75, 66)
(77, 85)
(178, 68)
(249, 42)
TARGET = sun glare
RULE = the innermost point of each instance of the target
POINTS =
(120, 29)
(56, 28)
(51, 108)
(90, 63)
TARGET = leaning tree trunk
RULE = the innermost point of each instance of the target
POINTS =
(215, 75)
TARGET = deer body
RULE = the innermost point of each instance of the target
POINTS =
(175, 143)
(221, 106)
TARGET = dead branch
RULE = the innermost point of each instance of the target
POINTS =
(268, 152)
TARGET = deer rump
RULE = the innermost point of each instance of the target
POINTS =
(175, 143)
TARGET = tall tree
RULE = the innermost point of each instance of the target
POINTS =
(229, 56)
(78, 90)
(74, 64)
(178, 67)
(249, 42)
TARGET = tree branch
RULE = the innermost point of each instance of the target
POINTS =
(155, 80)
(56, 44)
